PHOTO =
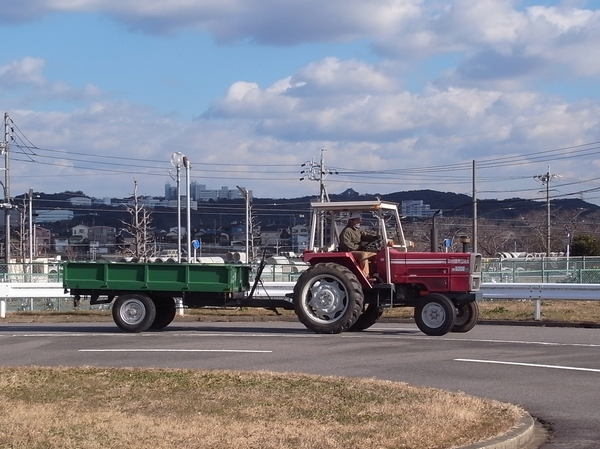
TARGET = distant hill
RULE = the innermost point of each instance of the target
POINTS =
(451, 204)
(290, 211)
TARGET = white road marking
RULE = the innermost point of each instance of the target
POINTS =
(76, 334)
(371, 333)
(533, 365)
(175, 350)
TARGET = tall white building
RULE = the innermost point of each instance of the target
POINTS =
(199, 192)
(416, 208)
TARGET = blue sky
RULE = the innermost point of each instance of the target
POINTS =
(403, 94)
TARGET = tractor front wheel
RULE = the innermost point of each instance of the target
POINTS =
(466, 317)
(435, 314)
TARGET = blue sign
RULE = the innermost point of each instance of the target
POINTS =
(447, 243)
(196, 244)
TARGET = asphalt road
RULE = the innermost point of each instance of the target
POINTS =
(554, 373)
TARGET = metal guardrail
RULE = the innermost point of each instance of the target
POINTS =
(278, 290)
(32, 290)
(489, 290)
(541, 291)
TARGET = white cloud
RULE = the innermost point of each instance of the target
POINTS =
(27, 71)
(486, 103)
(23, 85)
(268, 21)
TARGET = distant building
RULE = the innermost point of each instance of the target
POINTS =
(170, 192)
(61, 244)
(299, 238)
(103, 235)
(416, 208)
(199, 192)
(50, 216)
(173, 204)
(106, 201)
(79, 233)
(80, 201)
(42, 240)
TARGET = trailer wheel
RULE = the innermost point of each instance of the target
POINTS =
(328, 298)
(134, 312)
(435, 314)
(165, 312)
(369, 317)
(466, 317)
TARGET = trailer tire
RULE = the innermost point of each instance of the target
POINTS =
(466, 317)
(435, 314)
(165, 313)
(133, 312)
(328, 298)
(369, 317)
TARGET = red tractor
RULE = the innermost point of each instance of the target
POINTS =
(334, 295)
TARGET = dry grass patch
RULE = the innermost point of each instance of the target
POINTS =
(567, 311)
(87, 408)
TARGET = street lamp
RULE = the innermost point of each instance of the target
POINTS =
(188, 235)
(244, 192)
(177, 162)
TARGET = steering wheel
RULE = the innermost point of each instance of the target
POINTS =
(375, 245)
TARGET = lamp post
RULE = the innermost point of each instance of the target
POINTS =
(188, 165)
(244, 192)
(177, 162)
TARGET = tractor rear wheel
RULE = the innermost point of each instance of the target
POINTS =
(328, 298)
(370, 316)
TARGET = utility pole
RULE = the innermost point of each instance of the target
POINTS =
(31, 233)
(474, 211)
(318, 172)
(545, 180)
(7, 206)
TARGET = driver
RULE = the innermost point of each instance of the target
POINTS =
(354, 240)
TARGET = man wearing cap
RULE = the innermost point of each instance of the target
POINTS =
(354, 239)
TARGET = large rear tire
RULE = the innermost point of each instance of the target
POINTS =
(466, 317)
(328, 299)
(165, 313)
(367, 319)
(133, 312)
(435, 314)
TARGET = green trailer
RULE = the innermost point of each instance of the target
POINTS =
(145, 294)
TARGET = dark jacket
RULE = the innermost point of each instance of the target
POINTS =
(355, 239)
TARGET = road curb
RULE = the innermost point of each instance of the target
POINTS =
(520, 437)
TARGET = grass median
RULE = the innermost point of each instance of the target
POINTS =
(88, 408)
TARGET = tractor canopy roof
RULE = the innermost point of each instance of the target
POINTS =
(352, 206)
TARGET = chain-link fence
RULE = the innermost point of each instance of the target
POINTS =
(579, 270)
(36, 272)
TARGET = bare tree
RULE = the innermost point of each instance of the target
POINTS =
(140, 228)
